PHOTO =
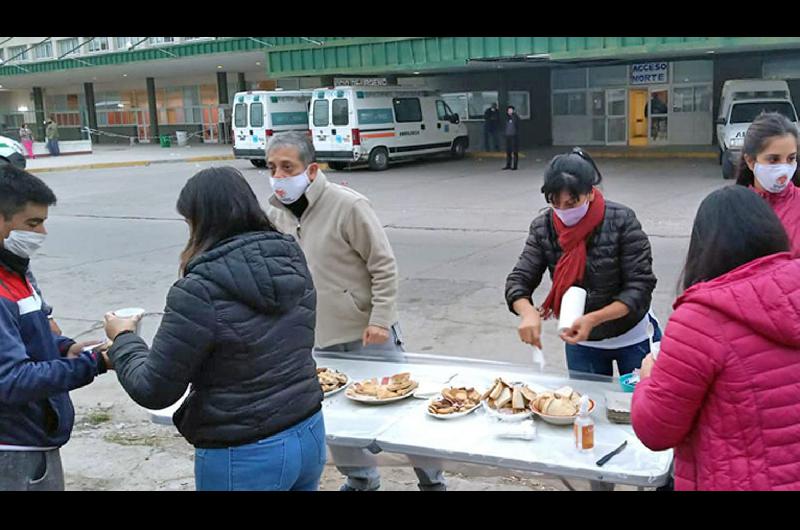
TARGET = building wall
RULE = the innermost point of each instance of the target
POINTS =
(535, 131)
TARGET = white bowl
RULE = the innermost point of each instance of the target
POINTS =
(563, 420)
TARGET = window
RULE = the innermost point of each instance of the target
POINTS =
(569, 104)
(162, 40)
(321, 107)
(747, 112)
(2, 55)
(98, 44)
(457, 102)
(256, 114)
(407, 110)
(13, 51)
(702, 98)
(43, 51)
(575, 78)
(521, 102)
(441, 110)
(240, 115)
(683, 99)
(340, 112)
(66, 45)
(478, 102)
(692, 71)
(121, 43)
(608, 76)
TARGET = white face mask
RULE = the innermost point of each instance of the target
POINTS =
(23, 243)
(289, 189)
(774, 177)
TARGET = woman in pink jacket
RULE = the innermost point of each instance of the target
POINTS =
(769, 167)
(725, 390)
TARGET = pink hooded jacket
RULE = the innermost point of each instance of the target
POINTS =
(786, 206)
(725, 389)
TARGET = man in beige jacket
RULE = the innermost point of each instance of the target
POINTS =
(354, 272)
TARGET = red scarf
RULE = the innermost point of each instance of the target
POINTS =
(572, 264)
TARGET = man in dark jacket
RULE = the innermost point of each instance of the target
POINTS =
(491, 121)
(37, 367)
(511, 133)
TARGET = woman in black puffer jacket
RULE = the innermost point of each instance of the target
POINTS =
(598, 245)
(238, 327)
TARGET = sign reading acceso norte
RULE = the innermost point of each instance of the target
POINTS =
(649, 73)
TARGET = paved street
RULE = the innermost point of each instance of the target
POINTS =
(457, 229)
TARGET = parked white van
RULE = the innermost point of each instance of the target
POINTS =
(260, 114)
(352, 125)
(743, 100)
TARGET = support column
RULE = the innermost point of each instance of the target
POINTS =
(151, 101)
(91, 109)
(224, 104)
(38, 107)
(242, 82)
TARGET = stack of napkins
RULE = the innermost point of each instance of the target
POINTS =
(618, 406)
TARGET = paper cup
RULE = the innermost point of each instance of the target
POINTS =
(131, 312)
(572, 307)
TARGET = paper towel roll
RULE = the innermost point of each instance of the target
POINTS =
(572, 306)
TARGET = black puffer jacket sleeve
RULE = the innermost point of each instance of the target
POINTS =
(636, 265)
(157, 378)
(531, 265)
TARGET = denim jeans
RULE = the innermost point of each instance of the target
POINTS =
(583, 361)
(292, 460)
(490, 141)
(31, 471)
(364, 477)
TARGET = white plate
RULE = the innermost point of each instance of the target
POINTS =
(505, 417)
(369, 400)
(447, 416)
(564, 420)
(345, 385)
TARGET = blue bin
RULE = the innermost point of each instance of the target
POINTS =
(623, 382)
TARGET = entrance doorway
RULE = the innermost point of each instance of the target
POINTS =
(638, 117)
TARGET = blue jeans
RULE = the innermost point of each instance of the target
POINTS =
(292, 460)
(585, 360)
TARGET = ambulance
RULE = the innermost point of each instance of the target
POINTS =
(741, 101)
(259, 115)
(375, 125)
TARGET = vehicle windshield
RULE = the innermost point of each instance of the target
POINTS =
(747, 112)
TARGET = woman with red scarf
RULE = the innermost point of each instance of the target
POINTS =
(586, 241)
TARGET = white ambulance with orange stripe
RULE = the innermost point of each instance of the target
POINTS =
(374, 125)
(258, 115)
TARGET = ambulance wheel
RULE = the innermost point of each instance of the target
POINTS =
(458, 148)
(728, 167)
(337, 166)
(379, 159)
(258, 163)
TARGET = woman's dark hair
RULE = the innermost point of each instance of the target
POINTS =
(510, 107)
(574, 172)
(218, 203)
(766, 126)
(733, 226)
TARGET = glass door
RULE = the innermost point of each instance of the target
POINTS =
(616, 117)
(659, 115)
(599, 117)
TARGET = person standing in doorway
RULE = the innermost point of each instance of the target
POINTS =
(490, 125)
(512, 138)
(51, 132)
(26, 137)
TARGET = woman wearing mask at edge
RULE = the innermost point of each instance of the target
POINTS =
(586, 241)
(724, 390)
(769, 166)
(239, 327)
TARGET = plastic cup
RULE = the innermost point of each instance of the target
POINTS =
(132, 312)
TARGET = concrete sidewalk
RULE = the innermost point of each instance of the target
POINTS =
(111, 156)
